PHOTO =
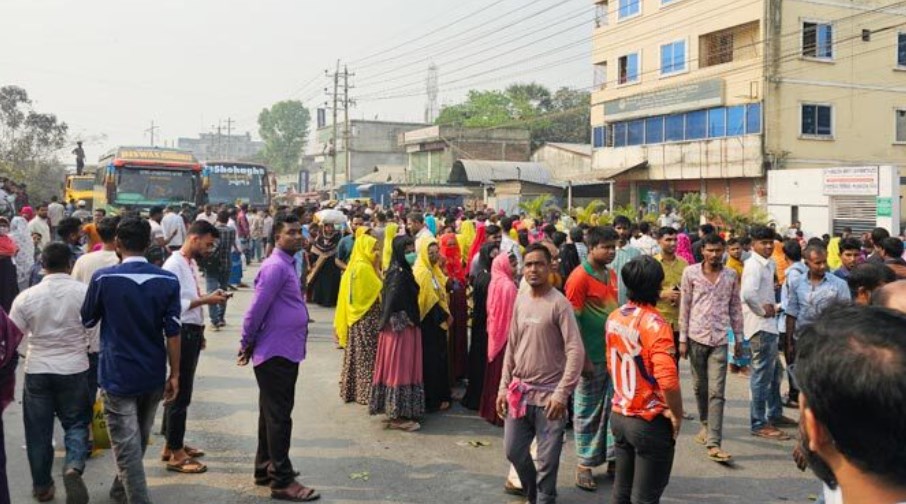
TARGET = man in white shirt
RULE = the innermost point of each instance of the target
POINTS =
(509, 245)
(208, 215)
(55, 212)
(40, 225)
(199, 244)
(55, 380)
(645, 243)
(174, 228)
(758, 310)
(84, 269)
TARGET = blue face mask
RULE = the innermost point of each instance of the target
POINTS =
(410, 258)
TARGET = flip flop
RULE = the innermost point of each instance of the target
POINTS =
(769, 433)
(304, 494)
(187, 466)
(718, 455)
(701, 438)
(585, 480)
(191, 452)
(410, 426)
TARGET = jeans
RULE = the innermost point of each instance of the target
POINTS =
(765, 380)
(644, 458)
(129, 421)
(709, 374)
(539, 476)
(790, 360)
(176, 412)
(212, 283)
(276, 397)
(45, 396)
(255, 247)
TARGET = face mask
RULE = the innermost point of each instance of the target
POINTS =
(410, 258)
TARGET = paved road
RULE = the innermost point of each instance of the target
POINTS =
(336, 446)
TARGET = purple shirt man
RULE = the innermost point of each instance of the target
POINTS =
(276, 325)
(274, 334)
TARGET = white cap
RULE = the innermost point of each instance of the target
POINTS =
(81, 203)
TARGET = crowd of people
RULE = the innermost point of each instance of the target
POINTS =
(538, 325)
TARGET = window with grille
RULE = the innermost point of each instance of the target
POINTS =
(818, 40)
(900, 125)
(629, 68)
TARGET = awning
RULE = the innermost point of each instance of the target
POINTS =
(436, 190)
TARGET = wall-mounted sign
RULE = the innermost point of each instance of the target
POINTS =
(852, 181)
(885, 207)
(666, 101)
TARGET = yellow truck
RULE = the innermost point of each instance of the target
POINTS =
(79, 187)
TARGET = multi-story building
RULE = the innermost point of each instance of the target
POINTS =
(211, 146)
(707, 95)
(370, 143)
(433, 150)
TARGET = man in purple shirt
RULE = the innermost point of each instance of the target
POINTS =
(274, 333)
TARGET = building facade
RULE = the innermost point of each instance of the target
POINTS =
(708, 95)
(567, 160)
(433, 150)
(371, 143)
(211, 146)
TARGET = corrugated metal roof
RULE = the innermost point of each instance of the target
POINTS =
(436, 190)
(395, 173)
(477, 171)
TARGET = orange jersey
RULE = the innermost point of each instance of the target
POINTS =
(640, 360)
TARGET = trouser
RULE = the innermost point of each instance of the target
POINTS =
(276, 397)
(709, 374)
(129, 421)
(644, 458)
(256, 249)
(7, 382)
(244, 244)
(538, 477)
(190, 348)
(212, 283)
(789, 354)
(64, 396)
(764, 382)
(91, 378)
(592, 410)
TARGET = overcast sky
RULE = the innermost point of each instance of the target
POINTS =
(108, 68)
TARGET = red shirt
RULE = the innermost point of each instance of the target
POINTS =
(640, 360)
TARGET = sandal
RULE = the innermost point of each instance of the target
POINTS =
(585, 480)
(410, 426)
(771, 433)
(187, 466)
(702, 437)
(191, 452)
(718, 455)
(444, 406)
(296, 492)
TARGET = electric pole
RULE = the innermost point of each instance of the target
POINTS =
(333, 153)
(229, 122)
(347, 137)
(151, 130)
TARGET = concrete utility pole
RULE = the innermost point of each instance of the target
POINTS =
(336, 85)
(229, 154)
(151, 130)
(347, 135)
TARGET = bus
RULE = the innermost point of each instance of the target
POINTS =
(138, 178)
(237, 182)
(79, 188)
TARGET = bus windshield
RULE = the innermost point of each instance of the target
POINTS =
(144, 186)
(82, 184)
(237, 184)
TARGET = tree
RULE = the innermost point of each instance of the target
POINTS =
(563, 116)
(29, 142)
(284, 128)
(537, 207)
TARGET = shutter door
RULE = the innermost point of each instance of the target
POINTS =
(858, 212)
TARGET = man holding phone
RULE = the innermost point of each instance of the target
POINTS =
(201, 241)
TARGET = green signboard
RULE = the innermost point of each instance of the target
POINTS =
(885, 207)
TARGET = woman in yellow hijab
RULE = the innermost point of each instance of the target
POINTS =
(466, 237)
(357, 319)
(389, 234)
(435, 316)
